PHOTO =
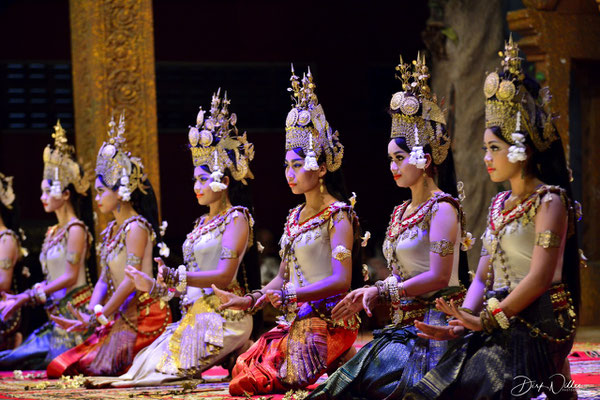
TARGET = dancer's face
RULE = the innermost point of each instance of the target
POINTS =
(300, 180)
(404, 173)
(496, 158)
(49, 202)
(107, 199)
(204, 193)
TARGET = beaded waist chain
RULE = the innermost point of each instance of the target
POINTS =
(557, 325)
(77, 297)
(414, 309)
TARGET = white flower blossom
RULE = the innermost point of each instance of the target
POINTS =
(467, 242)
(164, 249)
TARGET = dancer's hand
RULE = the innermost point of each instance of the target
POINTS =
(464, 319)
(275, 297)
(349, 305)
(162, 270)
(436, 332)
(230, 300)
(11, 303)
(82, 322)
(140, 279)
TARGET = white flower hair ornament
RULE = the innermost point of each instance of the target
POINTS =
(55, 189)
(518, 151)
(417, 156)
(310, 161)
(124, 191)
(216, 185)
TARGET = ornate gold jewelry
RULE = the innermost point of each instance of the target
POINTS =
(340, 253)
(547, 239)
(442, 247)
(6, 263)
(308, 129)
(7, 194)
(215, 142)
(60, 167)
(510, 107)
(416, 117)
(466, 310)
(132, 259)
(494, 310)
(73, 257)
(117, 166)
(227, 253)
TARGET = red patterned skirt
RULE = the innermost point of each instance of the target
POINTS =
(295, 356)
(111, 349)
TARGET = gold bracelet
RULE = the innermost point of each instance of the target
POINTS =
(340, 253)
(132, 259)
(5, 263)
(467, 310)
(547, 239)
(73, 257)
(442, 247)
(227, 253)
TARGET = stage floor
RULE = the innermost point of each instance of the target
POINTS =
(584, 361)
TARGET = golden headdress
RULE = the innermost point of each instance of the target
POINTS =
(60, 168)
(416, 117)
(7, 194)
(307, 128)
(117, 166)
(513, 109)
(215, 142)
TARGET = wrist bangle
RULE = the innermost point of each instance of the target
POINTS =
(493, 307)
(290, 300)
(252, 300)
(98, 313)
(182, 275)
(39, 293)
(401, 289)
(168, 296)
(467, 310)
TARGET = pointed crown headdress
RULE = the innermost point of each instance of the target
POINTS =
(60, 167)
(416, 116)
(117, 166)
(7, 194)
(307, 128)
(512, 108)
(215, 142)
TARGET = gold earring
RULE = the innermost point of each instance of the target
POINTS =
(321, 188)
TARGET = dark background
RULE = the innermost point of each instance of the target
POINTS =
(245, 47)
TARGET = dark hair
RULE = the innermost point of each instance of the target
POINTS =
(550, 167)
(336, 186)
(11, 219)
(446, 181)
(146, 206)
(82, 206)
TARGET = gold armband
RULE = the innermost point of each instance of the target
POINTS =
(547, 239)
(73, 257)
(340, 253)
(484, 252)
(5, 263)
(442, 247)
(227, 253)
(132, 259)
